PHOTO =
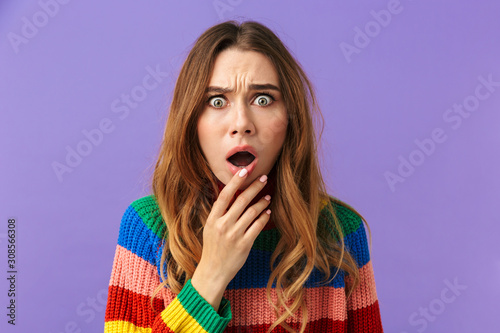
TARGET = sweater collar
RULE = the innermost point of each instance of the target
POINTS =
(269, 188)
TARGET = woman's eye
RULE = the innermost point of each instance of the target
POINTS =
(217, 102)
(264, 100)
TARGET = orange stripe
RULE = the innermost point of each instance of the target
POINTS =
(366, 293)
(126, 308)
(251, 307)
(160, 326)
(322, 325)
(125, 305)
(365, 320)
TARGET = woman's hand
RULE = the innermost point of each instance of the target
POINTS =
(226, 239)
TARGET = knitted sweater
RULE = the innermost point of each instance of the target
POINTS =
(244, 306)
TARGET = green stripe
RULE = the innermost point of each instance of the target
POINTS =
(201, 311)
(267, 240)
(147, 208)
(348, 219)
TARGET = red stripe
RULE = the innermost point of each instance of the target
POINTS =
(126, 305)
(324, 325)
(134, 308)
(365, 319)
(160, 326)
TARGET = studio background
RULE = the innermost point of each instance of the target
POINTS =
(410, 94)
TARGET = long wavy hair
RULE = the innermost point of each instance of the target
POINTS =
(181, 175)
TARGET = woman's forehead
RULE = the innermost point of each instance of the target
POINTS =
(237, 67)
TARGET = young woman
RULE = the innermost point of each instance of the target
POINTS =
(239, 234)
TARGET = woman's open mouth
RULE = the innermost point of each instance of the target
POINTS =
(240, 160)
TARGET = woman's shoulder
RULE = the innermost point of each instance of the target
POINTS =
(353, 229)
(349, 219)
(148, 211)
(142, 221)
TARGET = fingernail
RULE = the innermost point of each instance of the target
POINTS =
(243, 172)
(263, 178)
(267, 197)
(268, 212)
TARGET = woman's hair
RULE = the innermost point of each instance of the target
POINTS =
(183, 183)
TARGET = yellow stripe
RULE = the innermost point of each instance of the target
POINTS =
(176, 317)
(120, 326)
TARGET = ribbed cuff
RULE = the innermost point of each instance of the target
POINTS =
(202, 311)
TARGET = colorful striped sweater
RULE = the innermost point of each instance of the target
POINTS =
(244, 307)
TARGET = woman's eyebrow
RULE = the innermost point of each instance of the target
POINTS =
(222, 90)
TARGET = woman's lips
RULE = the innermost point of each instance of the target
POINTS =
(247, 148)
(234, 169)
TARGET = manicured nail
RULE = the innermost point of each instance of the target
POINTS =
(263, 178)
(243, 172)
(268, 212)
(267, 197)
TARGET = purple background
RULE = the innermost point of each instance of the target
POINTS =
(436, 228)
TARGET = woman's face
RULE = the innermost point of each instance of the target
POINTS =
(244, 111)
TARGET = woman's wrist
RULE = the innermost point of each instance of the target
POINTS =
(208, 287)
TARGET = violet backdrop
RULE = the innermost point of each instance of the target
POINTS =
(409, 90)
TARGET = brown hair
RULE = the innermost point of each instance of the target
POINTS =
(180, 180)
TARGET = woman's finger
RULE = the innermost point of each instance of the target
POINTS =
(251, 214)
(241, 203)
(256, 227)
(221, 204)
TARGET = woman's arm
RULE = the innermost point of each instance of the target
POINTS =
(228, 236)
(363, 313)
(134, 276)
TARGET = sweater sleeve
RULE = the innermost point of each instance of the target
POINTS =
(363, 313)
(134, 277)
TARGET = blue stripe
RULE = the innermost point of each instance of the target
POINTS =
(357, 245)
(135, 236)
(256, 271)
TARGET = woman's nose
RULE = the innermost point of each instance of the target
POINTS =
(242, 121)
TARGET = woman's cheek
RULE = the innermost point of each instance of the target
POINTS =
(275, 129)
